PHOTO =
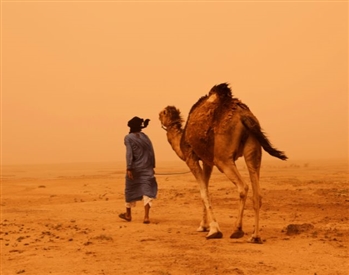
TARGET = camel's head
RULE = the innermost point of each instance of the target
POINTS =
(170, 116)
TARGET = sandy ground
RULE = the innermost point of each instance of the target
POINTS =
(63, 219)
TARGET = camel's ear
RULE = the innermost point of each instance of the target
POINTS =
(166, 111)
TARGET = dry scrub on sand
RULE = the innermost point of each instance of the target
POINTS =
(63, 219)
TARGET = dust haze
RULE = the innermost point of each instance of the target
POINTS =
(74, 73)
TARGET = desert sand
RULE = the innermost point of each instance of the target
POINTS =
(63, 219)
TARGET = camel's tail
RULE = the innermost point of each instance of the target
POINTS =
(251, 123)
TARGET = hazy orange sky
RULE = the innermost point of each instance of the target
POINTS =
(74, 72)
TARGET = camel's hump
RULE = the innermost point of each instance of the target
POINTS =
(222, 90)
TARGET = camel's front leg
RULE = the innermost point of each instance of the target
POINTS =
(199, 174)
(215, 231)
(204, 226)
(230, 170)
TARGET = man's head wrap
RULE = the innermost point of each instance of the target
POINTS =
(136, 124)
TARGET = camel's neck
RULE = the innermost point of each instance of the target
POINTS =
(174, 135)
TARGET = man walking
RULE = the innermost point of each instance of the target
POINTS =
(140, 181)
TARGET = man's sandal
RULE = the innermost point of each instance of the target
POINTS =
(123, 216)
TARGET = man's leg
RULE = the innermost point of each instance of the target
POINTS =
(147, 206)
(146, 213)
(128, 213)
(128, 216)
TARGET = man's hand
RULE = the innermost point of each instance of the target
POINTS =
(129, 174)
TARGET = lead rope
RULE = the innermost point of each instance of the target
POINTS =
(174, 173)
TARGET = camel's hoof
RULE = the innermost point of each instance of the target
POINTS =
(237, 234)
(256, 240)
(216, 235)
(203, 229)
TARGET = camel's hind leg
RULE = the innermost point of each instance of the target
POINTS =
(253, 157)
(199, 174)
(229, 169)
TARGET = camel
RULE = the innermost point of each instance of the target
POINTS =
(219, 130)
